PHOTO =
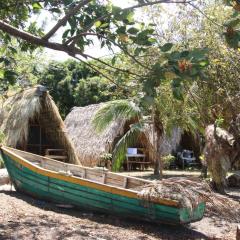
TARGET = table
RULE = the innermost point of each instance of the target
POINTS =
(138, 158)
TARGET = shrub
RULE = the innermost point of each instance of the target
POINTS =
(168, 160)
(106, 160)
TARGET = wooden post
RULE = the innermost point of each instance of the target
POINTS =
(104, 178)
(125, 182)
(238, 233)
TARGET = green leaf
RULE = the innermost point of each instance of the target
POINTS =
(12, 49)
(116, 11)
(67, 2)
(177, 88)
(121, 30)
(97, 24)
(114, 110)
(204, 63)
(128, 139)
(5, 60)
(65, 34)
(166, 47)
(198, 54)
(233, 41)
(133, 30)
(104, 25)
(103, 44)
(177, 93)
(114, 60)
(55, 10)
(73, 23)
(129, 16)
(137, 51)
(142, 38)
(2, 59)
(233, 23)
(36, 6)
(184, 54)
(152, 40)
(176, 82)
(10, 75)
(194, 71)
(1, 73)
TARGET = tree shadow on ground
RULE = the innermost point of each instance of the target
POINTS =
(233, 193)
(55, 229)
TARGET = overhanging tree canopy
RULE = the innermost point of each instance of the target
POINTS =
(82, 22)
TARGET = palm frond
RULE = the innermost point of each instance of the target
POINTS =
(112, 111)
(192, 96)
(128, 139)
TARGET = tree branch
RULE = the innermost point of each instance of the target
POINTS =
(37, 40)
(73, 39)
(64, 20)
(116, 68)
(71, 50)
(205, 15)
(157, 2)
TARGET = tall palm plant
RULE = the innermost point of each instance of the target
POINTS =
(116, 110)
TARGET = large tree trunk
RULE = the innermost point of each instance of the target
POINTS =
(217, 152)
(158, 132)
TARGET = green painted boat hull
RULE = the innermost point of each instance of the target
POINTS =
(60, 191)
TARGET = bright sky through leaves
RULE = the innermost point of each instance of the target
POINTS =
(95, 50)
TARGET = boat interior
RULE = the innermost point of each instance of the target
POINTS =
(98, 175)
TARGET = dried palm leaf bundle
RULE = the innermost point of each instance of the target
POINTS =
(189, 192)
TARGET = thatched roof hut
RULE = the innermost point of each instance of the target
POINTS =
(31, 122)
(88, 144)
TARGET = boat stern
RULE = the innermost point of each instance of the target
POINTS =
(196, 214)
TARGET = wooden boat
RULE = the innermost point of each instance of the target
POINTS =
(90, 188)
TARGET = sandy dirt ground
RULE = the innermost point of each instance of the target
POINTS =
(23, 217)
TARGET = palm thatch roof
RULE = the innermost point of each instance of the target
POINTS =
(34, 104)
(90, 145)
